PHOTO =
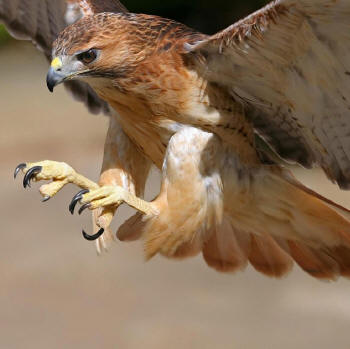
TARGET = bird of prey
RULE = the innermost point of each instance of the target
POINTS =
(219, 115)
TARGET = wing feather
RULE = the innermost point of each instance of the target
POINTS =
(289, 64)
(37, 20)
(97, 6)
(40, 21)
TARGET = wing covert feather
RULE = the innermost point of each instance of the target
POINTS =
(289, 65)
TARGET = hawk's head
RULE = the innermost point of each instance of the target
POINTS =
(105, 45)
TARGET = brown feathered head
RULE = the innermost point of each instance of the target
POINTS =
(104, 45)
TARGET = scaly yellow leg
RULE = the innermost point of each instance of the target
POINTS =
(114, 196)
(93, 197)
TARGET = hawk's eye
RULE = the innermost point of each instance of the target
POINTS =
(87, 57)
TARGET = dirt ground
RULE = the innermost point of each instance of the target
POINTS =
(56, 293)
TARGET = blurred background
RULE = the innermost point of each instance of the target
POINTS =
(55, 292)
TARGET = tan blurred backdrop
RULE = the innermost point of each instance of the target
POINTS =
(56, 293)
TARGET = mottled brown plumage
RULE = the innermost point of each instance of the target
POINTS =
(195, 106)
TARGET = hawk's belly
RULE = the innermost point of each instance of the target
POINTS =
(151, 134)
(151, 138)
(151, 122)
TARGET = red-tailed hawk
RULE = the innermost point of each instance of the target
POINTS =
(198, 107)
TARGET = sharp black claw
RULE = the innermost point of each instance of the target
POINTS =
(82, 208)
(46, 198)
(31, 173)
(19, 168)
(94, 236)
(75, 199)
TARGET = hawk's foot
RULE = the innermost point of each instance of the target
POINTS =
(59, 172)
(110, 197)
(106, 200)
(92, 196)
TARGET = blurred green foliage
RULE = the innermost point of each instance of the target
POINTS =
(204, 15)
(4, 36)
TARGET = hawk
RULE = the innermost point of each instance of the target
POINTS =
(218, 115)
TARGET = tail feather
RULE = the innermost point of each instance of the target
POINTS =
(277, 220)
(341, 254)
(333, 205)
(132, 228)
(302, 215)
(226, 251)
(267, 257)
(315, 262)
(295, 223)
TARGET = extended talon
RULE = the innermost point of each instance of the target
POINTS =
(104, 198)
(85, 206)
(19, 168)
(46, 198)
(94, 236)
(75, 200)
(31, 173)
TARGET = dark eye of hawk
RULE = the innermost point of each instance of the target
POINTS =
(87, 57)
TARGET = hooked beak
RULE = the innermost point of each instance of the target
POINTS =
(55, 75)
(54, 78)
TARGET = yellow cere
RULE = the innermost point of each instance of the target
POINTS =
(56, 63)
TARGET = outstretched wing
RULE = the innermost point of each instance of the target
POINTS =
(289, 64)
(40, 21)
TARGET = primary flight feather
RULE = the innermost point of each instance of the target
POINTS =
(197, 107)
